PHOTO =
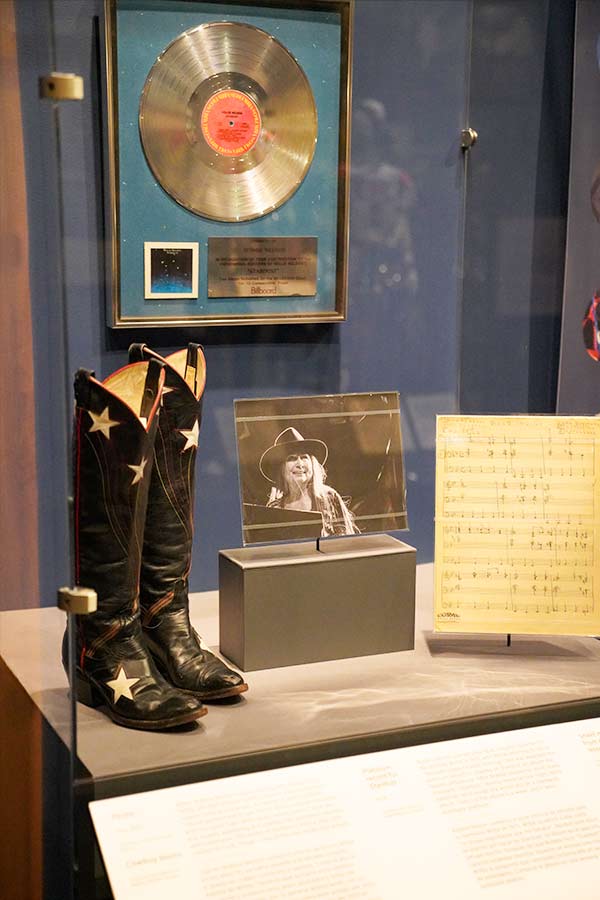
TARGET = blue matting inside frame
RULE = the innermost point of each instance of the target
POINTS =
(147, 213)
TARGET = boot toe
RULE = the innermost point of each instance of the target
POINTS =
(189, 666)
(216, 680)
(183, 707)
(168, 710)
(207, 677)
(226, 679)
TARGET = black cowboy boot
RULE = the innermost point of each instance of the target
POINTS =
(115, 429)
(167, 553)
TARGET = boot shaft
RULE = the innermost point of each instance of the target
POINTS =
(114, 434)
(169, 528)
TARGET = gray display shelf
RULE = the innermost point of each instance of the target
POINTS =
(447, 687)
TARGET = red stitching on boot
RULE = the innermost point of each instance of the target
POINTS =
(104, 638)
(157, 606)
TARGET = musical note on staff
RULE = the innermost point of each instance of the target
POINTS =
(517, 524)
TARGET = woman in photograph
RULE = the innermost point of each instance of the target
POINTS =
(295, 467)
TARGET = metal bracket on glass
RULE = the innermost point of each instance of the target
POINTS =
(77, 600)
(61, 86)
(468, 138)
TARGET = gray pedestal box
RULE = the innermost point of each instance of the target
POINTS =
(290, 604)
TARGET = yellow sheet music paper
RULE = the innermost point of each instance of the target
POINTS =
(517, 532)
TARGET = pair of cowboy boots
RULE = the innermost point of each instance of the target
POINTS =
(135, 442)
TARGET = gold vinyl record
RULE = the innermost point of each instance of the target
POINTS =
(228, 121)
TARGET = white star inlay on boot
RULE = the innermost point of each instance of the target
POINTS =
(121, 685)
(191, 436)
(139, 470)
(102, 422)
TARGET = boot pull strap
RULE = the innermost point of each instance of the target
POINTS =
(150, 387)
(191, 366)
(136, 352)
(82, 387)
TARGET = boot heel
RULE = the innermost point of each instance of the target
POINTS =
(86, 693)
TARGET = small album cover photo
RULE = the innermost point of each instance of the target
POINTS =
(313, 467)
(170, 270)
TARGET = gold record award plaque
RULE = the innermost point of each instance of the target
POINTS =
(228, 121)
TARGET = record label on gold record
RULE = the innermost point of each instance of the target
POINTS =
(228, 121)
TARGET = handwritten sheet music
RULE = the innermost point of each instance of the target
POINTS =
(517, 533)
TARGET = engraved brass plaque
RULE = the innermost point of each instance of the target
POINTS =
(262, 267)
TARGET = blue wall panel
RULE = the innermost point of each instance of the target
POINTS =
(516, 207)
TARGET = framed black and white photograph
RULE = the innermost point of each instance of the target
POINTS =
(316, 467)
(170, 270)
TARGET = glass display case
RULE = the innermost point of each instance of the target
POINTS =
(452, 283)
